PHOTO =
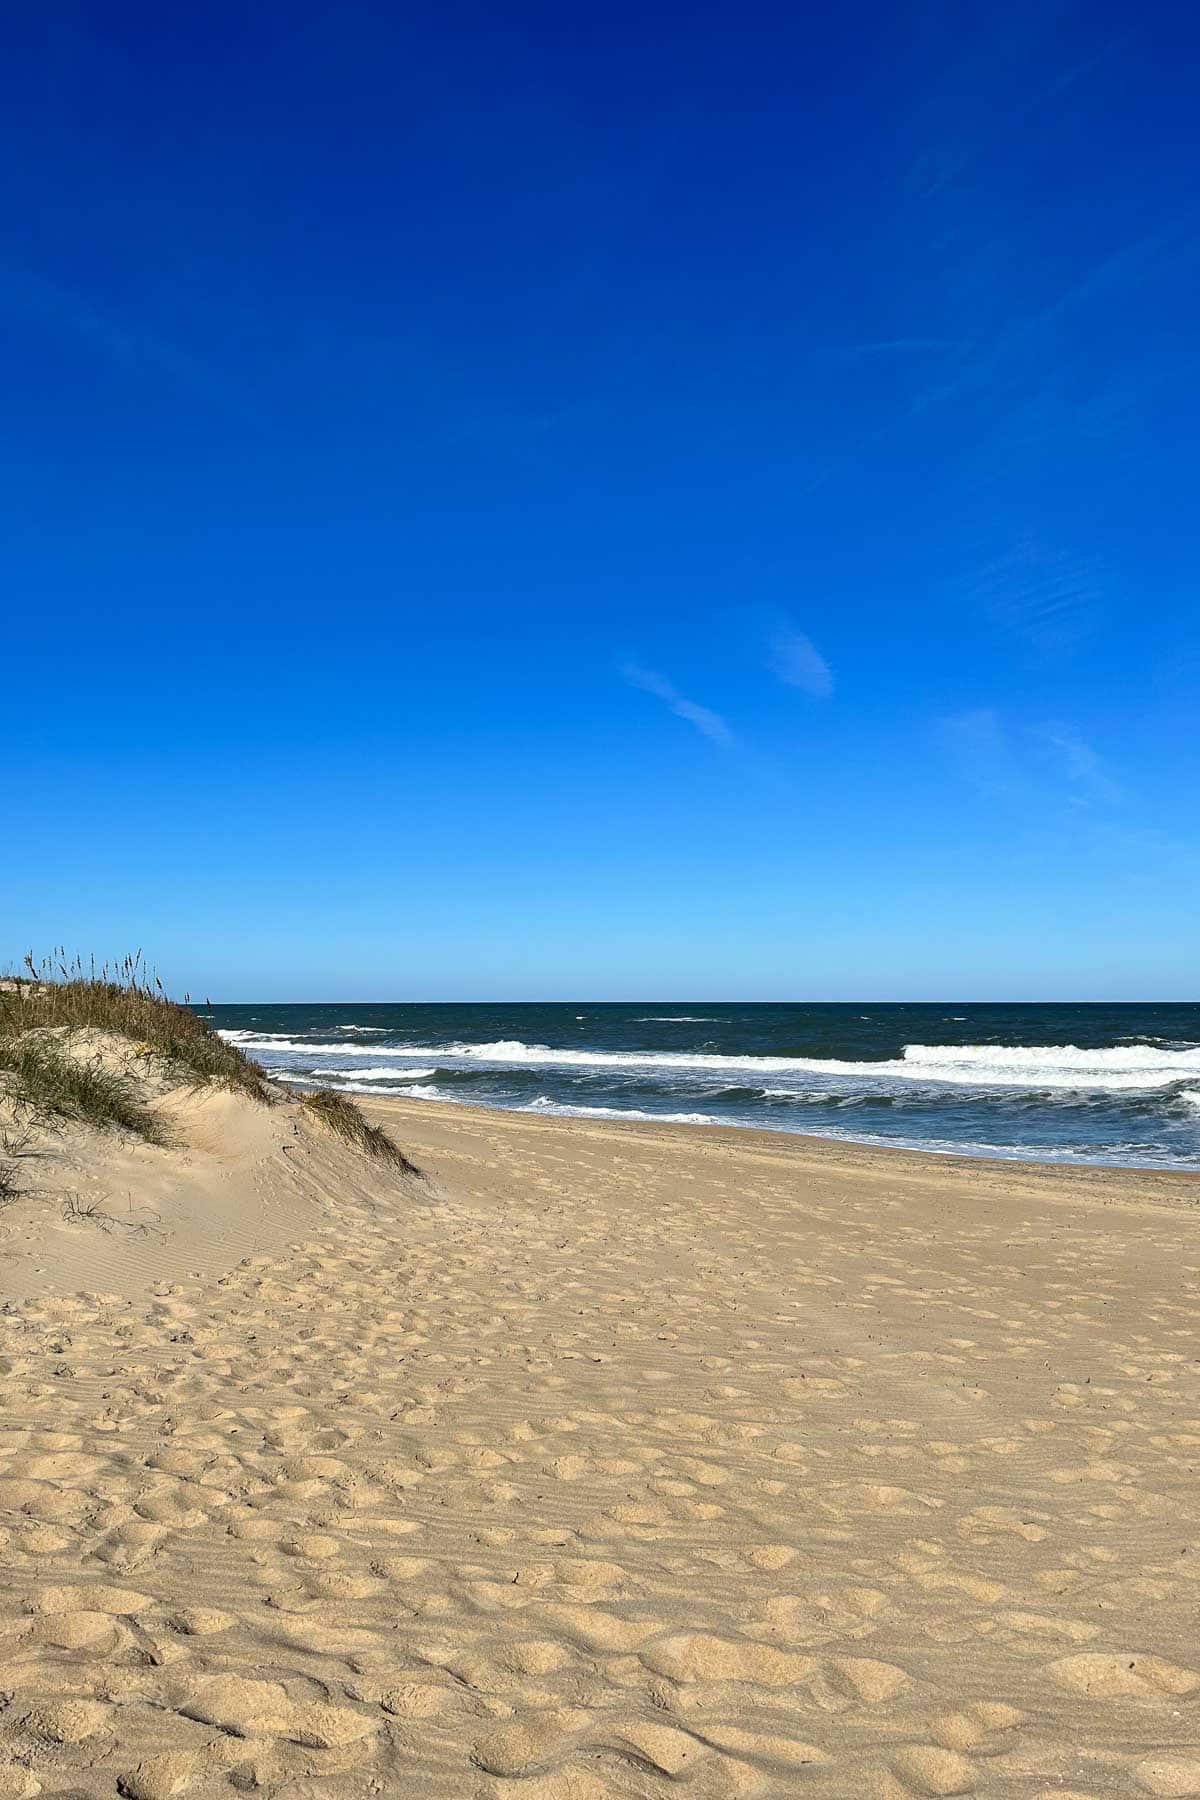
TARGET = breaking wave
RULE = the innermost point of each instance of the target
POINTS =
(1071, 1083)
(1038, 1066)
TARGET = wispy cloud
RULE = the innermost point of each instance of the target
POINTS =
(1050, 598)
(1047, 783)
(978, 746)
(1040, 767)
(796, 660)
(1083, 768)
(708, 723)
(26, 294)
(1003, 362)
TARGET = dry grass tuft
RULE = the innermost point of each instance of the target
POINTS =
(16, 1136)
(45, 1082)
(44, 1079)
(343, 1117)
(46, 1076)
(128, 999)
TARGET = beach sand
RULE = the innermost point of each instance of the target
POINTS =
(614, 1460)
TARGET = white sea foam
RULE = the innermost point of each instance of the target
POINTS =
(560, 1109)
(543, 1104)
(274, 1040)
(1056, 1056)
(407, 1093)
(680, 1019)
(382, 1074)
(807, 1096)
(303, 1078)
(367, 1030)
(1038, 1066)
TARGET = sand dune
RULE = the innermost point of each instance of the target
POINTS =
(615, 1461)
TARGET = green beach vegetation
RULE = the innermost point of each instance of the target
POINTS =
(339, 1113)
(45, 1082)
(129, 1001)
(94, 1045)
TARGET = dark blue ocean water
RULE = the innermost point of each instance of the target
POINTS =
(1114, 1084)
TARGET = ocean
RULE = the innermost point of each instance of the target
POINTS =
(1117, 1084)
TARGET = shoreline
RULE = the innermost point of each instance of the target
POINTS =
(1077, 1086)
(813, 1153)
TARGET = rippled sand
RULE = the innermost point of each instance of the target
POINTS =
(615, 1461)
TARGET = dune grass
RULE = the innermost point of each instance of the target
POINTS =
(126, 998)
(47, 1082)
(341, 1116)
(48, 1078)
(44, 1078)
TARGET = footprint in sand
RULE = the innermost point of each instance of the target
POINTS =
(698, 1657)
(1107, 1677)
(1168, 1775)
(247, 1708)
(930, 1769)
(984, 1728)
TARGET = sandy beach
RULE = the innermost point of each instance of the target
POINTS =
(611, 1460)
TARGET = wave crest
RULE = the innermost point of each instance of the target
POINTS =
(1033, 1067)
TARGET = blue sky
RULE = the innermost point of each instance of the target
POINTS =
(526, 502)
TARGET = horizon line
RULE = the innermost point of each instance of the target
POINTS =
(717, 1000)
